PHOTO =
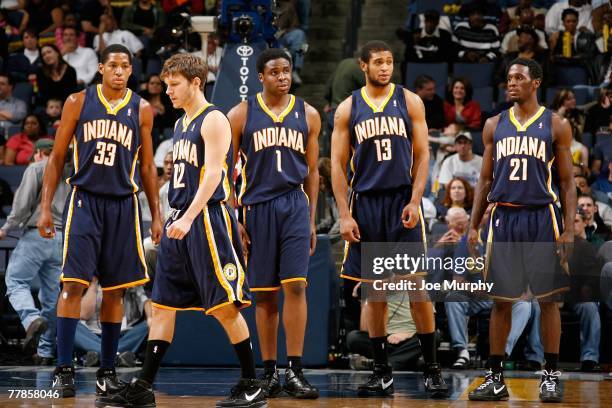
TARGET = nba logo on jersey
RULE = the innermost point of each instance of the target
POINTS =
(395, 103)
(297, 115)
(129, 111)
(540, 125)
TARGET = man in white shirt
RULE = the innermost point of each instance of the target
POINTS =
(109, 33)
(554, 23)
(83, 59)
(464, 164)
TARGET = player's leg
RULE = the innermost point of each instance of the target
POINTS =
(292, 214)
(267, 320)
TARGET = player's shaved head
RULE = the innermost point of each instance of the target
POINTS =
(186, 65)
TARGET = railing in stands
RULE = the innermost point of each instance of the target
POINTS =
(352, 27)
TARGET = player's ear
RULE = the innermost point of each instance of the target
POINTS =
(101, 68)
(261, 77)
(363, 65)
(197, 81)
(537, 83)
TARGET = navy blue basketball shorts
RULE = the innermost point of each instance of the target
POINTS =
(379, 217)
(279, 230)
(103, 237)
(204, 270)
(522, 255)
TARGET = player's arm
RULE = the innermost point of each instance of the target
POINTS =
(55, 165)
(148, 171)
(420, 165)
(340, 150)
(562, 137)
(217, 139)
(486, 178)
(311, 183)
(237, 117)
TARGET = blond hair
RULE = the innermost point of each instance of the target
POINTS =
(187, 65)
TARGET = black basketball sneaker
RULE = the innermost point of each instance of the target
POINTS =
(297, 386)
(380, 383)
(248, 393)
(550, 387)
(137, 394)
(270, 383)
(434, 383)
(492, 389)
(63, 381)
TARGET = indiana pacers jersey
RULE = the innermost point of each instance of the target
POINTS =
(522, 160)
(381, 142)
(188, 158)
(273, 150)
(106, 144)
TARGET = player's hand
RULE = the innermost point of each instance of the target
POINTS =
(410, 215)
(156, 231)
(472, 241)
(349, 230)
(46, 229)
(2, 234)
(179, 228)
(244, 239)
(313, 239)
(565, 246)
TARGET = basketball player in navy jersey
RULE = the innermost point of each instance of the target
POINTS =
(381, 128)
(199, 263)
(109, 128)
(521, 146)
(276, 135)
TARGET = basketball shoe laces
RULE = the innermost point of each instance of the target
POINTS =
(550, 378)
(489, 379)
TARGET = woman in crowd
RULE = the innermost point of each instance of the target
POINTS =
(20, 147)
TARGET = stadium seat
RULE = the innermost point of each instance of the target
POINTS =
(484, 97)
(571, 75)
(550, 95)
(137, 68)
(154, 66)
(477, 144)
(12, 175)
(582, 95)
(23, 91)
(479, 75)
(438, 71)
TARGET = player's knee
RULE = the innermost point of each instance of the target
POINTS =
(266, 299)
(162, 315)
(72, 291)
(226, 314)
(295, 289)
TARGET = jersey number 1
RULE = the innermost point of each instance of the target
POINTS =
(516, 164)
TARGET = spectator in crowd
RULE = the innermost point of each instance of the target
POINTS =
(53, 113)
(510, 42)
(513, 17)
(602, 68)
(601, 200)
(597, 232)
(585, 270)
(20, 147)
(477, 40)
(91, 14)
(465, 164)
(425, 87)
(213, 62)
(602, 187)
(330, 222)
(528, 47)
(12, 110)
(164, 115)
(564, 104)
(109, 33)
(580, 153)
(70, 20)
(563, 43)
(291, 37)
(598, 115)
(11, 12)
(603, 34)
(457, 193)
(23, 65)
(554, 16)
(36, 257)
(142, 18)
(83, 59)
(404, 348)
(45, 16)
(431, 43)
(56, 79)
(602, 151)
(459, 107)
(134, 327)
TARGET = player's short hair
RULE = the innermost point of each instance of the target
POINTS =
(567, 12)
(268, 55)
(535, 70)
(115, 49)
(422, 80)
(371, 47)
(188, 65)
